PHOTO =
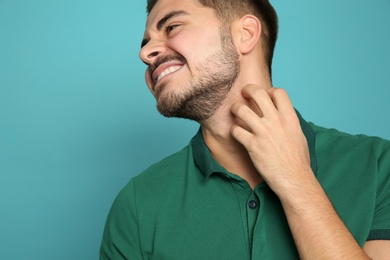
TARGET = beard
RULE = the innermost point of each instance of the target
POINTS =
(216, 76)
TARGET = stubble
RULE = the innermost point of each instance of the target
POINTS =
(215, 77)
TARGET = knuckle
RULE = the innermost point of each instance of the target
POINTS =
(252, 145)
(279, 92)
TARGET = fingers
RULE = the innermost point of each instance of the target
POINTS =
(281, 100)
(267, 102)
(263, 108)
(247, 118)
(241, 135)
(268, 128)
(260, 100)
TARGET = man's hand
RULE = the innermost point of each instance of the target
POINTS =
(269, 129)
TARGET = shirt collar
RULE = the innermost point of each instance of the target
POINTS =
(206, 163)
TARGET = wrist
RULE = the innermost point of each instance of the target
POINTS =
(303, 195)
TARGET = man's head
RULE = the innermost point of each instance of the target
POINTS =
(194, 56)
(228, 10)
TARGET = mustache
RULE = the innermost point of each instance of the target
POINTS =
(162, 59)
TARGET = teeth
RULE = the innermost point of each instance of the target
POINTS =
(168, 71)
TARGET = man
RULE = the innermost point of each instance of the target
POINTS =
(257, 181)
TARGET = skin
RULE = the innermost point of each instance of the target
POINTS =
(195, 74)
(205, 91)
(255, 131)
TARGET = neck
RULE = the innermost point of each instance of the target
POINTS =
(224, 148)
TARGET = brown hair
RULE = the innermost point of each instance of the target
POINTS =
(228, 10)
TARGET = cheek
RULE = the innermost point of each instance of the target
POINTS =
(186, 43)
(195, 45)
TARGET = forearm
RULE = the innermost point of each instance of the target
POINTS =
(318, 231)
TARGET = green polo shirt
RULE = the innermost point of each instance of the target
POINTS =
(187, 206)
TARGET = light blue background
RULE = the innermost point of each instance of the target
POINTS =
(77, 121)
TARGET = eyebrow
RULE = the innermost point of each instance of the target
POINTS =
(163, 21)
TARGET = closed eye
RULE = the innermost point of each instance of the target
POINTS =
(170, 28)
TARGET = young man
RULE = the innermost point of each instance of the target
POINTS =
(257, 181)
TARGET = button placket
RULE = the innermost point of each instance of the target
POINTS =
(252, 204)
(252, 213)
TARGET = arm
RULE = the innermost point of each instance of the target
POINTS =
(377, 249)
(278, 150)
(121, 235)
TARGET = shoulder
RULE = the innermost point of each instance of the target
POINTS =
(334, 141)
(161, 178)
(343, 157)
(138, 204)
(169, 167)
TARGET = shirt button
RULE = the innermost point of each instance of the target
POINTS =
(252, 204)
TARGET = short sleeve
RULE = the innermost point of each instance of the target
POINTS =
(121, 233)
(380, 229)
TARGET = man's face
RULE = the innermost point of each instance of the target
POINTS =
(192, 61)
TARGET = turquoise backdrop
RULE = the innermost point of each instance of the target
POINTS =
(77, 121)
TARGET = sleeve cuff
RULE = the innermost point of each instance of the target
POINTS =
(379, 234)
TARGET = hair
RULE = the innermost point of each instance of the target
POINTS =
(229, 10)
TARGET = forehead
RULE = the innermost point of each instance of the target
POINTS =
(162, 7)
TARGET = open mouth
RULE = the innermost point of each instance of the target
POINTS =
(167, 71)
(164, 68)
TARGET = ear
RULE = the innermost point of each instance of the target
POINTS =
(248, 32)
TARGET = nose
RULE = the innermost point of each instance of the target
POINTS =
(151, 50)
